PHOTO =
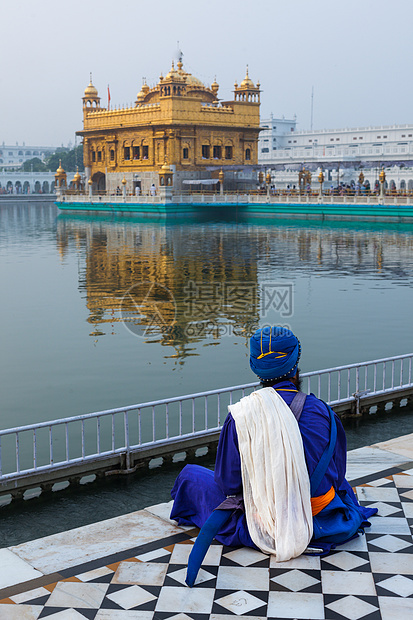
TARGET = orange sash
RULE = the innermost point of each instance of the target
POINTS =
(320, 502)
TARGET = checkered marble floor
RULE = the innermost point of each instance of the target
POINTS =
(370, 577)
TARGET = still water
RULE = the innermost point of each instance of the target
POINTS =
(102, 312)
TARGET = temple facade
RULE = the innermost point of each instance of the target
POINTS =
(179, 122)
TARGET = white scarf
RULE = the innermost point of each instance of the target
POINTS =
(275, 480)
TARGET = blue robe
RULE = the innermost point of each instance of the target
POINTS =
(198, 491)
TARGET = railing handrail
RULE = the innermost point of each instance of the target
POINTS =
(186, 397)
(151, 403)
(47, 449)
(357, 365)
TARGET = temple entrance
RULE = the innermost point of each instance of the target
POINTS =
(99, 182)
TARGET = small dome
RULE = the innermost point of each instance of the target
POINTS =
(60, 169)
(173, 75)
(91, 91)
(247, 82)
(77, 175)
(215, 86)
(166, 167)
(143, 92)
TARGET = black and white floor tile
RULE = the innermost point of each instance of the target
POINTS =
(369, 578)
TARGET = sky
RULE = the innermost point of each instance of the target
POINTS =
(354, 56)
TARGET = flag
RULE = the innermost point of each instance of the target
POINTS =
(108, 98)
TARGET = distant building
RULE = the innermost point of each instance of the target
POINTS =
(179, 122)
(15, 156)
(341, 153)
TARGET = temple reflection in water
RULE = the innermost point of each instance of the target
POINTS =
(178, 284)
(166, 285)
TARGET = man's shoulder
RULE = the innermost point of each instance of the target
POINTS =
(315, 405)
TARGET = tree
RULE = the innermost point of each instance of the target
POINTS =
(34, 165)
(70, 159)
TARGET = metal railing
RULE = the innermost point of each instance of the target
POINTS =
(234, 197)
(62, 443)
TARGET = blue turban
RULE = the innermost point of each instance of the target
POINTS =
(274, 353)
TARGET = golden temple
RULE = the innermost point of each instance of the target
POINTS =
(178, 126)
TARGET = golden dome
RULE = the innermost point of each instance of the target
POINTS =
(191, 80)
(173, 75)
(143, 92)
(60, 169)
(77, 175)
(166, 167)
(215, 86)
(91, 91)
(247, 82)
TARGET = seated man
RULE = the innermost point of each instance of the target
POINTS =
(333, 514)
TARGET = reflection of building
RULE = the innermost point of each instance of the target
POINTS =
(214, 273)
(181, 121)
(342, 153)
(211, 280)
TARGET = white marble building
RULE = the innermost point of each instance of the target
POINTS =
(19, 182)
(15, 156)
(341, 153)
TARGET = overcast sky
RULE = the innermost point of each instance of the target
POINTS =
(356, 54)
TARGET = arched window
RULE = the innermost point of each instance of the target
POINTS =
(247, 154)
(217, 151)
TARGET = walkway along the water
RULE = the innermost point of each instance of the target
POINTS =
(133, 567)
(38, 456)
(166, 203)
